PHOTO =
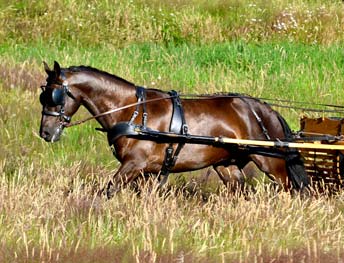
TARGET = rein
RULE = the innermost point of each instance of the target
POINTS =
(214, 96)
(275, 102)
(67, 125)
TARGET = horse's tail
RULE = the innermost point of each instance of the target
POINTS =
(294, 162)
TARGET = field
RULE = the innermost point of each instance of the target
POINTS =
(49, 209)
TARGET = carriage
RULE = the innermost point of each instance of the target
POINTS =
(325, 167)
(157, 132)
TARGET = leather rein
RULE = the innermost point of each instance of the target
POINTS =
(66, 120)
(207, 97)
(67, 125)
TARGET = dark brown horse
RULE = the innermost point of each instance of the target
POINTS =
(230, 116)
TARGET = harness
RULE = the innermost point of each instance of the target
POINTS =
(177, 126)
(259, 120)
(57, 98)
(177, 134)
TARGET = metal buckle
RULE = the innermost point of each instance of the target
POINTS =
(133, 117)
(144, 119)
(185, 128)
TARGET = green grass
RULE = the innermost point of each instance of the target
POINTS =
(48, 207)
(270, 70)
(120, 23)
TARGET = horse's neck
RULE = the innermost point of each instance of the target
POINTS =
(102, 96)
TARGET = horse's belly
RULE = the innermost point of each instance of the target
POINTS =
(194, 157)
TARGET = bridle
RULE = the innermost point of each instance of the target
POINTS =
(58, 96)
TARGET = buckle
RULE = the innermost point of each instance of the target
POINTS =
(144, 118)
(185, 129)
(133, 117)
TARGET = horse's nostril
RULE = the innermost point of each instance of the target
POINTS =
(45, 134)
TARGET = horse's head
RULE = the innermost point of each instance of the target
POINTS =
(58, 103)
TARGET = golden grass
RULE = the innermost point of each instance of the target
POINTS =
(51, 214)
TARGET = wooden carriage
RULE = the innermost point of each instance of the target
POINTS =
(325, 167)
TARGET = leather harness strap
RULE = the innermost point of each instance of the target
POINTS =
(141, 97)
(177, 125)
(259, 120)
(128, 128)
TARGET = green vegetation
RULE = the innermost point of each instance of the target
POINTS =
(49, 210)
(119, 23)
(271, 70)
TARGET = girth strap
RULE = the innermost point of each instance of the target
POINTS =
(178, 125)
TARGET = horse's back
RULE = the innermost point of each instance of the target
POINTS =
(232, 116)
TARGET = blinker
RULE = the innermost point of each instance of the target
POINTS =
(58, 96)
(53, 97)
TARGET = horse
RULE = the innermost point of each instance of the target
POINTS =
(232, 115)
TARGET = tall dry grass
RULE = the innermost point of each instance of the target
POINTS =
(59, 217)
(119, 23)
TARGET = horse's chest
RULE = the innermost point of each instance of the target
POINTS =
(136, 149)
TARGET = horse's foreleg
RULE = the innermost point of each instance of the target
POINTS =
(231, 176)
(126, 173)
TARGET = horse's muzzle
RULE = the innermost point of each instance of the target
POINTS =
(51, 135)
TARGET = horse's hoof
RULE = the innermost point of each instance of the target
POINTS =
(105, 192)
(110, 193)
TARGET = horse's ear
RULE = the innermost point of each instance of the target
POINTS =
(57, 68)
(46, 68)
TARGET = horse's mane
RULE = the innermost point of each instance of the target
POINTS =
(94, 70)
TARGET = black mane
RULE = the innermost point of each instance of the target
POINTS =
(94, 70)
